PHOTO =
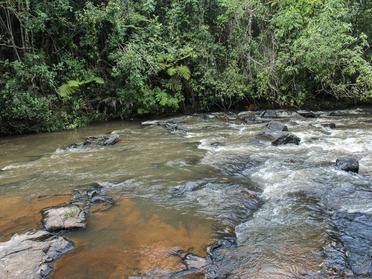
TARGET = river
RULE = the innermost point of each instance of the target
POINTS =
(214, 181)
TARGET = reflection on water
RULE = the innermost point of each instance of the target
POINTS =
(135, 236)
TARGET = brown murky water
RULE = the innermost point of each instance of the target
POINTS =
(136, 235)
(283, 239)
(17, 214)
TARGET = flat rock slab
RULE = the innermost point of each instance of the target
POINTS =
(63, 218)
(30, 255)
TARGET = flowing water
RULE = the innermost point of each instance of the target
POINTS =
(188, 190)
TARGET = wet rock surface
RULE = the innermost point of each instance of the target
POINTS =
(279, 135)
(30, 255)
(173, 126)
(347, 163)
(274, 126)
(63, 218)
(74, 214)
(307, 114)
(231, 203)
(285, 138)
(350, 252)
(105, 140)
(355, 237)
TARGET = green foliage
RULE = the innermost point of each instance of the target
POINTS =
(71, 86)
(65, 63)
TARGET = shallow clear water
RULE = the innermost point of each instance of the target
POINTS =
(281, 239)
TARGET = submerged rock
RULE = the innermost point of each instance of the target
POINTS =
(230, 203)
(90, 195)
(63, 218)
(216, 144)
(102, 199)
(30, 255)
(185, 188)
(347, 163)
(355, 233)
(329, 125)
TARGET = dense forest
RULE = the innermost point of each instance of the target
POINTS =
(66, 63)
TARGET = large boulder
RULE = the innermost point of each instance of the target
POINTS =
(279, 135)
(347, 163)
(63, 218)
(30, 255)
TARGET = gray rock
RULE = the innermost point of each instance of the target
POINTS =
(307, 114)
(30, 255)
(112, 139)
(269, 114)
(282, 138)
(278, 134)
(63, 218)
(274, 126)
(174, 128)
(355, 233)
(109, 139)
(194, 261)
(347, 163)
(102, 199)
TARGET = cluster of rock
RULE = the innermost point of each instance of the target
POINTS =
(173, 126)
(105, 140)
(339, 256)
(31, 254)
(279, 135)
